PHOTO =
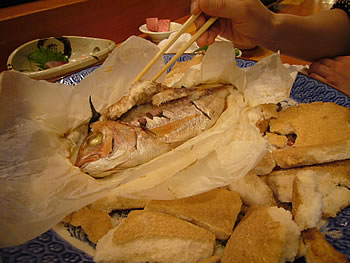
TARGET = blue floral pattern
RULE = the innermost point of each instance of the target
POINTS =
(337, 231)
(50, 247)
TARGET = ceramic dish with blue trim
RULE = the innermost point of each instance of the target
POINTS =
(70, 244)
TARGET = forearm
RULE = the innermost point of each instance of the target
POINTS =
(326, 34)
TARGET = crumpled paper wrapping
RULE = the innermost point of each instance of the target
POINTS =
(268, 84)
(180, 42)
(39, 185)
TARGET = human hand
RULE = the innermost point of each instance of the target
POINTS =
(335, 72)
(245, 22)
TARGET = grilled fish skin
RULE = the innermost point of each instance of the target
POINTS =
(140, 93)
(146, 131)
(147, 91)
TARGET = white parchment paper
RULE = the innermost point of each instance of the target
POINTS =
(38, 183)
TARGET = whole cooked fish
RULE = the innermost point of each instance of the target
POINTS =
(150, 121)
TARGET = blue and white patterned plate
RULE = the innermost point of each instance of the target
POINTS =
(50, 247)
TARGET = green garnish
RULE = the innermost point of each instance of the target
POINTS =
(237, 52)
(42, 55)
(204, 48)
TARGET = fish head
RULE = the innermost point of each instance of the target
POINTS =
(107, 140)
(98, 144)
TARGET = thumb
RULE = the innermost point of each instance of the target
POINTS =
(194, 7)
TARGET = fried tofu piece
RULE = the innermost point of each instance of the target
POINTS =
(307, 201)
(322, 132)
(318, 250)
(113, 202)
(253, 190)
(266, 164)
(94, 223)
(279, 141)
(216, 210)
(148, 236)
(333, 183)
(212, 259)
(266, 234)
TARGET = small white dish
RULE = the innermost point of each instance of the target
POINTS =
(159, 36)
(81, 52)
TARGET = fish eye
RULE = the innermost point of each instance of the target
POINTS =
(95, 139)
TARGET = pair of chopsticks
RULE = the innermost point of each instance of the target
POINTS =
(180, 51)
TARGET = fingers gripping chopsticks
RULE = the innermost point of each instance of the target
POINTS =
(172, 41)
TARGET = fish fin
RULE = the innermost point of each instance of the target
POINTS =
(95, 115)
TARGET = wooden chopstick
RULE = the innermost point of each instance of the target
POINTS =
(166, 47)
(186, 46)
